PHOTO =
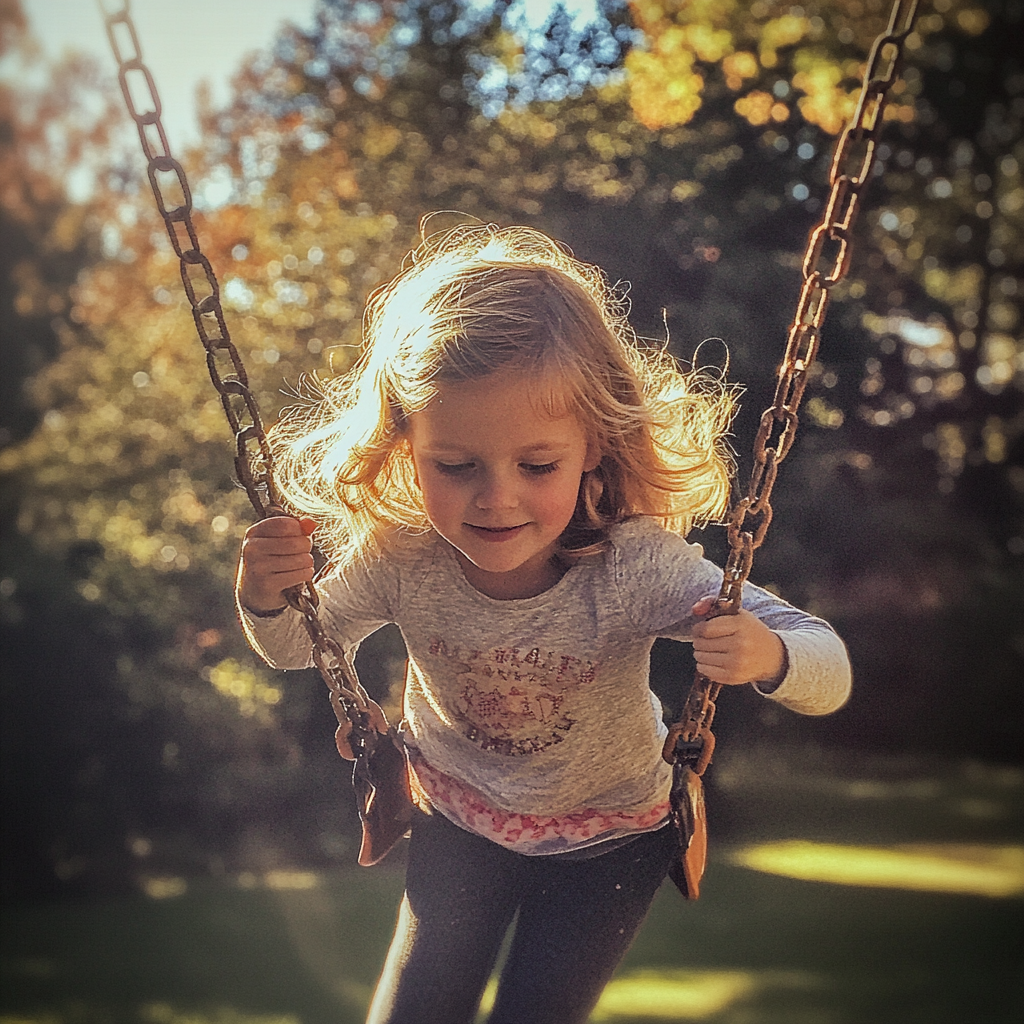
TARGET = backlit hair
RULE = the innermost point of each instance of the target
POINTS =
(474, 301)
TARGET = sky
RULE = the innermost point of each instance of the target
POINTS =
(183, 42)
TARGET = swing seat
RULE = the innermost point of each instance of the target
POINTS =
(380, 779)
(690, 820)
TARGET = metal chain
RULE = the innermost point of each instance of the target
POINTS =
(253, 460)
(825, 263)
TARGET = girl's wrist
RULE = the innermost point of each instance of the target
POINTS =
(271, 613)
(256, 609)
(773, 682)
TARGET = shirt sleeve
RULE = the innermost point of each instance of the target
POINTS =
(661, 576)
(354, 603)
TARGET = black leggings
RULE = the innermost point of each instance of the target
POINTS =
(577, 918)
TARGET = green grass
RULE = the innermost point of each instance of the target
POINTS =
(757, 948)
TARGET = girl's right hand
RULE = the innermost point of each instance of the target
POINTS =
(277, 554)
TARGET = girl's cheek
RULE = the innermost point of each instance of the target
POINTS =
(560, 500)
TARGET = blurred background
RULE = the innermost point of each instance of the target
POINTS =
(152, 767)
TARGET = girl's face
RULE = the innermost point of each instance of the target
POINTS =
(500, 478)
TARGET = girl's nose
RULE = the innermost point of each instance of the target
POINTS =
(497, 491)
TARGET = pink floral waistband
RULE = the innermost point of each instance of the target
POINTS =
(524, 833)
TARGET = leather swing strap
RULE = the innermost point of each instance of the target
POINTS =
(253, 460)
(826, 260)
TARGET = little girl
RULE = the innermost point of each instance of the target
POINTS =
(508, 476)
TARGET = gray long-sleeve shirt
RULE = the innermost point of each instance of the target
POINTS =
(531, 722)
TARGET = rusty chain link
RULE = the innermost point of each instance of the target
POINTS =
(690, 738)
(253, 461)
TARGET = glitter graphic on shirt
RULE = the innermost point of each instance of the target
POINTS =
(512, 702)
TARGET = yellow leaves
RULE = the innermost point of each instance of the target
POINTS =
(950, 447)
(756, 107)
(345, 185)
(606, 146)
(825, 103)
(738, 66)
(830, 110)
(779, 32)
(540, 182)
(66, 232)
(684, 190)
(760, 107)
(1011, 202)
(380, 141)
(695, 12)
(954, 286)
(664, 90)
(718, 160)
(183, 507)
(899, 112)
(599, 181)
(125, 532)
(709, 44)
(1002, 359)
(528, 124)
(246, 686)
(823, 415)
(508, 49)
(973, 21)
(666, 83)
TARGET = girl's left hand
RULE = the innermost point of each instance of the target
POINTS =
(734, 649)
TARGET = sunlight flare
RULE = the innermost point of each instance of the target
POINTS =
(673, 995)
(994, 871)
(655, 995)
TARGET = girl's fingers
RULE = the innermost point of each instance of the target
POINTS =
(722, 670)
(281, 526)
(718, 675)
(264, 562)
(276, 556)
(723, 625)
(285, 581)
(279, 564)
(271, 549)
(343, 734)
(720, 656)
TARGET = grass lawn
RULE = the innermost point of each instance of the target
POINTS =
(840, 891)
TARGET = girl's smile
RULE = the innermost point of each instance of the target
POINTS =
(500, 477)
(497, 534)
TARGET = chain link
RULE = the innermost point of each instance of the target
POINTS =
(826, 260)
(253, 461)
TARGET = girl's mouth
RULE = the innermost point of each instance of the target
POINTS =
(496, 534)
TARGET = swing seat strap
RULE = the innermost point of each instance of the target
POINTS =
(690, 822)
(380, 778)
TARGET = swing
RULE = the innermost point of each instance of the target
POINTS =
(379, 774)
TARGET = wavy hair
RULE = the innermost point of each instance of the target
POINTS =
(473, 301)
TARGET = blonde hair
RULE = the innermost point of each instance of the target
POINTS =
(480, 299)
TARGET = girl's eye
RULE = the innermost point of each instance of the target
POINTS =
(535, 469)
(453, 469)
